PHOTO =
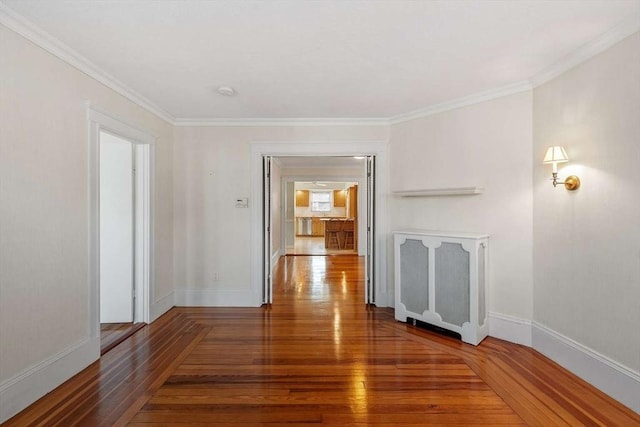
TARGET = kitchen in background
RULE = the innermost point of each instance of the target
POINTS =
(326, 215)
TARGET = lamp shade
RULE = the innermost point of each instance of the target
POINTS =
(555, 154)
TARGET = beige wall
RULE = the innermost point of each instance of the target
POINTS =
(486, 145)
(212, 167)
(44, 208)
(586, 243)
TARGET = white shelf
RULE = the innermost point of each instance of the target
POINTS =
(435, 192)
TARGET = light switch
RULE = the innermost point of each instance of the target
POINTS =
(242, 203)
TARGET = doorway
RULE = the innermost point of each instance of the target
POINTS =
(120, 229)
(335, 231)
(120, 188)
(377, 291)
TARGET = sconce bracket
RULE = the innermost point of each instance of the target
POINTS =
(572, 183)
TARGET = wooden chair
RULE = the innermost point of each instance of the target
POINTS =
(348, 230)
(332, 231)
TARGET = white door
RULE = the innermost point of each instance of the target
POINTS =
(116, 229)
(370, 282)
(267, 294)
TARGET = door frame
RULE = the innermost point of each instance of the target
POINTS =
(319, 149)
(144, 147)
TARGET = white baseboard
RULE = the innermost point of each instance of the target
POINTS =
(215, 298)
(161, 306)
(509, 328)
(30, 385)
(616, 380)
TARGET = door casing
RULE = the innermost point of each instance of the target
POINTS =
(144, 144)
(259, 149)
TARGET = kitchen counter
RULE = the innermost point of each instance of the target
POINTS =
(317, 224)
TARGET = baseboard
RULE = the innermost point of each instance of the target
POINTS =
(161, 306)
(30, 385)
(614, 379)
(215, 298)
(509, 328)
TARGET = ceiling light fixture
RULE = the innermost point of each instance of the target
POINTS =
(226, 91)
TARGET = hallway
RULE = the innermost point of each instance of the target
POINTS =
(318, 355)
(307, 245)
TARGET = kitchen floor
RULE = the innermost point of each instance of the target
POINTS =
(315, 246)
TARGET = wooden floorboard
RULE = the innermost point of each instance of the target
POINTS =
(318, 355)
(112, 334)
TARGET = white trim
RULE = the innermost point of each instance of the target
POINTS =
(97, 122)
(434, 192)
(215, 297)
(142, 228)
(22, 390)
(321, 148)
(465, 101)
(613, 378)
(510, 328)
(588, 51)
(161, 306)
(41, 38)
(476, 98)
(288, 121)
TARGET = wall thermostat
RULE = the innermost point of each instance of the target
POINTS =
(242, 203)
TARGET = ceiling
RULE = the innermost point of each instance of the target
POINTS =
(323, 185)
(295, 59)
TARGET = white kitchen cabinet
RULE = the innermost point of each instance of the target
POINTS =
(441, 278)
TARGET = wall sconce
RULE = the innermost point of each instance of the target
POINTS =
(557, 155)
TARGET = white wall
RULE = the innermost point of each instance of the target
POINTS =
(276, 212)
(486, 145)
(212, 169)
(116, 229)
(587, 243)
(44, 216)
(289, 216)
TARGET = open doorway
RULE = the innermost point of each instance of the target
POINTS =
(324, 220)
(372, 194)
(120, 229)
(319, 217)
(120, 188)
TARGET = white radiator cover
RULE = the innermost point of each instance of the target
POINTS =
(442, 278)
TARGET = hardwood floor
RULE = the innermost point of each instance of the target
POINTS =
(307, 245)
(112, 334)
(318, 355)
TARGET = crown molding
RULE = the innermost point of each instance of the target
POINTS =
(39, 37)
(476, 98)
(365, 121)
(588, 51)
(30, 31)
